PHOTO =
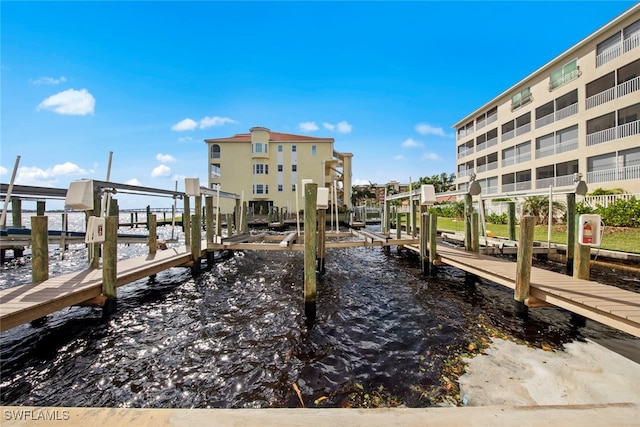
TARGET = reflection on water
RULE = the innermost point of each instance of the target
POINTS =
(236, 335)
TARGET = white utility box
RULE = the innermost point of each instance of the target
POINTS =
(323, 198)
(303, 183)
(95, 230)
(80, 195)
(192, 187)
(590, 229)
(427, 194)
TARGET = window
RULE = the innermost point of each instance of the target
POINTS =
(260, 189)
(294, 168)
(215, 151)
(257, 148)
(279, 168)
(279, 148)
(314, 150)
(293, 148)
(215, 171)
(564, 75)
(279, 188)
(521, 98)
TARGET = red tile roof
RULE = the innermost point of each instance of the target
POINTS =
(274, 137)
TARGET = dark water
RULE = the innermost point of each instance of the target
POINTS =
(236, 336)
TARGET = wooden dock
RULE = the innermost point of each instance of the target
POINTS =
(25, 303)
(605, 304)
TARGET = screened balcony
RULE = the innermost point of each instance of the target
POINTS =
(616, 166)
(519, 181)
(614, 85)
(518, 154)
(619, 124)
(558, 142)
(465, 149)
(561, 108)
(618, 44)
(487, 140)
(487, 118)
(559, 175)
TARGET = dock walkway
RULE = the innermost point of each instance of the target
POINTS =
(606, 304)
(25, 303)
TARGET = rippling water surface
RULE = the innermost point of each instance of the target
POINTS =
(236, 336)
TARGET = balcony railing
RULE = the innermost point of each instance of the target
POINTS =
(612, 175)
(618, 49)
(555, 181)
(523, 185)
(545, 120)
(565, 146)
(492, 165)
(612, 93)
(481, 146)
(622, 131)
(508, 161)
(481, 168)
(491, 190)
(508, 135)
(523, 129)
(481, 123)
(491, 142)
(545, 152)
(567, 111)
(492, 118)
(507, 188)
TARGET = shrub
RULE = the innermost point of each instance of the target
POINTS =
(621, 213)
(493, 218)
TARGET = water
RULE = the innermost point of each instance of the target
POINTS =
(236, 336)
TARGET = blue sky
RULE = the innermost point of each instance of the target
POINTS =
(151, 80)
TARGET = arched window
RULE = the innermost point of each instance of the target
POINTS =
(215, 151)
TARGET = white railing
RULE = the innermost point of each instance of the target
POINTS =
(481, 146)
(607, 199)
(545, 182)
(567, 111)
(601, 98)
(601, 136)
(611, 53)
(555, 181)
(612, 93)
(481, 123)
(492, 190)
(492, 118)
(628, 87)
(628, 129)
(523, 185)
(570, 145)
(523, 129)
(545, 120)
(545, 152)
(481, 168)
(508, 161)
(491, 142)
(492, 166)
(632, 42)
(507, 188)
(521, 158)
(508, 135)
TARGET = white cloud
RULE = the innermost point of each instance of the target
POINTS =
(70, 101)
(308, 126)
(215, 121)
(49, 80)
(430, 156)
(427, 129)
(361, 182)
(412, 143)
(32, 175)
(344, 127)
(186, 124)
(3, 170)
(161, 170)
(399, 157)
(185, 139)
(165, 158)
(341, 127)
(133, 181)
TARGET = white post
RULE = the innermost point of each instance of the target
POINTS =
(484, 226)
(173, 211)
(241, 210)
(335, 201)
(297, 212)
(3, 217)
(410, 207)
(106, 199)
(218, 214)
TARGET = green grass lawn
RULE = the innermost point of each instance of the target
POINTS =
(614, 238)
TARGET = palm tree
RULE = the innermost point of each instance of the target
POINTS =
(538, 206)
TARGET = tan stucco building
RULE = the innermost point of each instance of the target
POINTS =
(579, 113)
(267, 167)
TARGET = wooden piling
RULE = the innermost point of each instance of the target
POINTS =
(186, 221)
(475, 233)
(40, 207)
(571, 232)
(433, 243)
(39, 248)
(468, 208)
(208, 215)
(218, 224)
(310, 222)
(414, 218)
(229, 225)
(110, 264)
(523, 268)
(153, 237)
(196, 242)
(398, 225)
(94, 248)
(387, 217)
(16, 213)
(511, 220)
(581, 268)
(322, 233)
(244, 218)
(424, 233)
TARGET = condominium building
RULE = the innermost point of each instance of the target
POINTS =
(577, 114)
(268, 167)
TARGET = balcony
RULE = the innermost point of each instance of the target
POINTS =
(612, 175)
(563, 113)
(545, 120)
(491, 142)
(616, 132)
(612, 93)
(523, 129)
(508, 135)
(516, 186)
(481, 123)
(555, 181)
(618, 49)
